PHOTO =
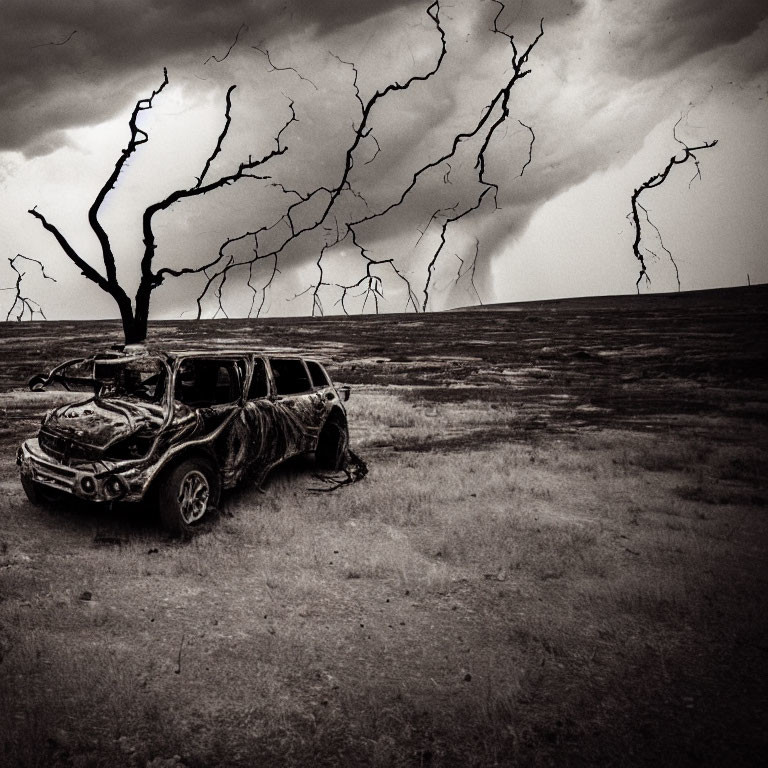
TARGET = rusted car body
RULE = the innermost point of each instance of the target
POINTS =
(180, 428)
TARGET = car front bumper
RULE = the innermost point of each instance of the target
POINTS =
(101, 481)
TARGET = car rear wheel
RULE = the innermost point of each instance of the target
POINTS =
(188, 496)
(332, 445)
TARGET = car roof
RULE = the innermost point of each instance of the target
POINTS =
(228, 353)
(225, 352)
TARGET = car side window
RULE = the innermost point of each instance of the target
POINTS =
(258, 386)
(202, 382)
(319, 379)
(79, 374)
(291, 377)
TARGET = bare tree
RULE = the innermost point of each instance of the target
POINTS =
(688, 153)
(334, 213)
(24, 305)
(134, 315)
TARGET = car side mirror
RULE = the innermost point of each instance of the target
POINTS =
(344, 392)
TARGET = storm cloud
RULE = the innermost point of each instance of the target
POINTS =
(73, 63)
(604, 76)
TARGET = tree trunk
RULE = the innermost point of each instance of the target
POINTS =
(135, 330)
(134, 322)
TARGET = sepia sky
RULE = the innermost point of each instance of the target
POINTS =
(609, 80)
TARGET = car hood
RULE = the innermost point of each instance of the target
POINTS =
(101, 422)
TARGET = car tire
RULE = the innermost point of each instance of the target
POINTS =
(187, 496)
(37, 383)
(332, 445)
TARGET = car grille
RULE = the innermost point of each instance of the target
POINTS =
(61, 448)
(49, 474)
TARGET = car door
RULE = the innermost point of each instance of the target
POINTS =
(212, 387)
(269, 434)
(297, 397)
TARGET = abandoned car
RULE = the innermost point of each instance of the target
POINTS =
(177, 429)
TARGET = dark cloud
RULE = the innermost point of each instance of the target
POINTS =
(332, 14)
(520, 14)
(73, 63)
(649, 38)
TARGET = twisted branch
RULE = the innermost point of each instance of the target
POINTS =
(655, 181)
(24, 303)
(218, 60)
(275, 68)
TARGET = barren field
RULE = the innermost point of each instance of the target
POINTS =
(559, 556)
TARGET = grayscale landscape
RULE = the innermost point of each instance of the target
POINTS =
(558, 556)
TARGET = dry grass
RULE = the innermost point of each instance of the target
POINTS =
(583, 601)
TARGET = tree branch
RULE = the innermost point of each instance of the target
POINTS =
(661, 242)
(24, 303)
(530, 147)
(222, 136)
(655, 181)
(138, 137)
(470, 270)
(61, 42)
(275, 68)
(355, 469)
(86, 269)
(218, 60)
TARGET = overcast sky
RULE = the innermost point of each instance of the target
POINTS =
(609, 79)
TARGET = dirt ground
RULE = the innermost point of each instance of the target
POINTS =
(558, 558)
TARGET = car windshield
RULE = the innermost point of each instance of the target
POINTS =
(142, 378)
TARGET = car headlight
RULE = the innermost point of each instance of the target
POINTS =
(114, 486)
(88, 485)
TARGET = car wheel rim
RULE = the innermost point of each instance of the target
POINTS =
(194, 492)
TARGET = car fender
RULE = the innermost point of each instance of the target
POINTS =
(201, 446)
(336, 413)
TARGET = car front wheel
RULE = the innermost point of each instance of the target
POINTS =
(188, 496)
